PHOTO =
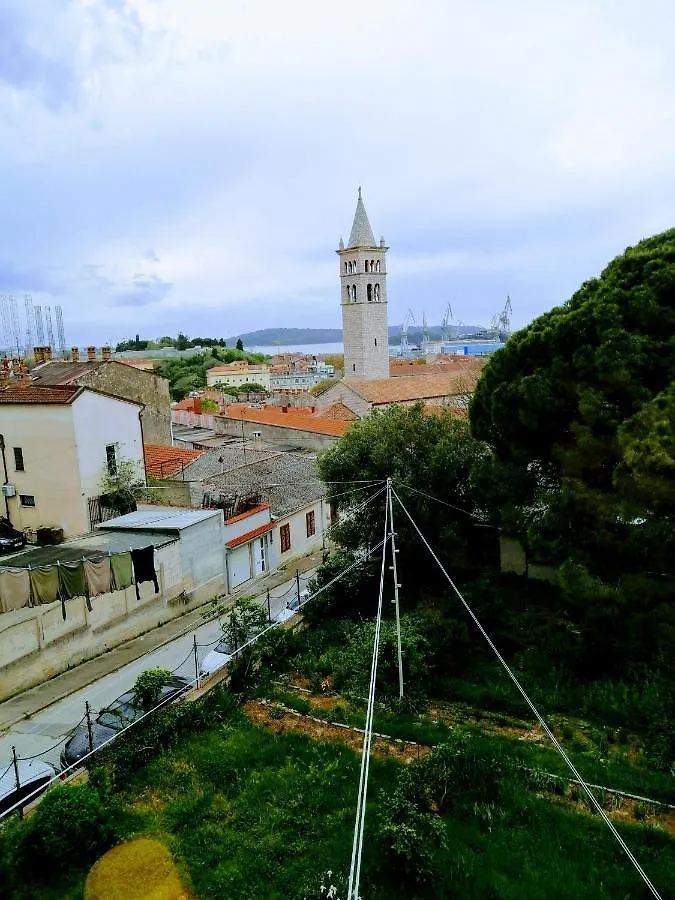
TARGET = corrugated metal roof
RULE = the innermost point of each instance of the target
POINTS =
(160, 518)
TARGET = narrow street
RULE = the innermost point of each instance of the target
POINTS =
(38, 733)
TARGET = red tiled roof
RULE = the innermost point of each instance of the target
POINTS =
(249, 512)
(339, 413)
(273, 415)
(249, 536)
(444, 365)
(33, 393)
(163, 462)
(406, 388)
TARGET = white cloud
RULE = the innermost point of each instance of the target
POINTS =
(492, 140)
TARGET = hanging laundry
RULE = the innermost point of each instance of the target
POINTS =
(44, 581)
(122, 572)
(14, 589)
(72, 582)
(144, 567)
(99, 576)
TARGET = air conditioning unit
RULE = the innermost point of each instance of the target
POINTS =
(8, 490)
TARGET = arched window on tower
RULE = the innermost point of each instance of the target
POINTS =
(353, 292)
(376, 342)
(377, 293)
(369, 292)
(372, 265)
(377, 266)
(345, 268)
(348, 293)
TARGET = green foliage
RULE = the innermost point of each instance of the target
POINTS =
(148, 687)
(71, 827)
(238, 620)
(188, 373)
(580, 401)
(435, 454)
(410, 837)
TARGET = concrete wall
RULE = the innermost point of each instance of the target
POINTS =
(46, 436)
(143, 387)
(202, 551)
(308, 440)
(99, 421)
(342, 393)
(36, 644)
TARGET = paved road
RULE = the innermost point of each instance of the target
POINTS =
(45, 728)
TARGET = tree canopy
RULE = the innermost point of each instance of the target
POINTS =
(577, 409)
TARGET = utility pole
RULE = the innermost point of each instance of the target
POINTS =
(194, 648)
(87, 710)
(394, 551)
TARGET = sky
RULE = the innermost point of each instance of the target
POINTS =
(190, 165)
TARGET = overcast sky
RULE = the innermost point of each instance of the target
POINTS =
(191, 164)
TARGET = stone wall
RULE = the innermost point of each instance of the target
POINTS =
(342, 393)
(307, 440)
(142, 387)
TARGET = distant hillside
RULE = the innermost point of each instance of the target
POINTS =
(268, 337)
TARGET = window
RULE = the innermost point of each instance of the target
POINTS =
(18, 459)
(311, 523)
(377, 266)
(376, 342)
(345, 268)
(377, 293)
(354, 367)
(369, 292)
(27, 499)
(353, 292)
(111, 458)
(285, 536)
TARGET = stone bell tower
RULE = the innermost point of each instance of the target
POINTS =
(363, 291)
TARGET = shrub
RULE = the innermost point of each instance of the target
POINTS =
(410, 836)
(148, 687)
(71, 827)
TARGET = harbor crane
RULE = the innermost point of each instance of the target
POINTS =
(405, 347)
(500, 326)
(447, 318)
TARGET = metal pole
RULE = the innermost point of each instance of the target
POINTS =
(89, 732)
(297, 581)
(194, 647)
(16, 768)
(234, 632)
(394, 551)
(269, 607)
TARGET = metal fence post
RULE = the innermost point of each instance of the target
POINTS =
(297, 582)
(16, 768)
(269, 607)
(194, 647)
(89, 732)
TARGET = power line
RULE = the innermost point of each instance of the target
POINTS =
(357, 846)
(521, 690)
(466, 512)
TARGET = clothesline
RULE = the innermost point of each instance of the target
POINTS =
(68, 579)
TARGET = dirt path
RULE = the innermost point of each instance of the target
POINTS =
(281, 719)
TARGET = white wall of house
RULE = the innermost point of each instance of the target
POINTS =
(45, 435)
(100, 421)
(239, 378)
(301, 542)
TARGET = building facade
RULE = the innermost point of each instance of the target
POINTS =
(58, 443)
(238, 374)
(363, 293)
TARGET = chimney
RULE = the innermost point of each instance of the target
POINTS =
(106, 353)
(197, 406)
(24, 376)
(91, 354)
(38, 355)
(47, 355)
(75, 353)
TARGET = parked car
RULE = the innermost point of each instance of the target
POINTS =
(11, 540)
(216, 659)
(114, 718)
(34, 776)
(293, 603)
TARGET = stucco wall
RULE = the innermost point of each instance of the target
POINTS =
(143, 387)
(308, 440)
(46, 437)
(36, 644)
(99, 421)
(300, 543)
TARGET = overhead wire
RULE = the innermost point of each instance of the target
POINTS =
(540, 719)
(407, 487)
(357, 845)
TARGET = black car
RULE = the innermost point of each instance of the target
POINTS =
(114, 718)
(11, 540)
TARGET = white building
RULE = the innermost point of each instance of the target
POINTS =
(295, 382)
(58, 443)
(363, 292)
(238, 374)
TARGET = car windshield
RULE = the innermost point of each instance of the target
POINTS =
(120, 713)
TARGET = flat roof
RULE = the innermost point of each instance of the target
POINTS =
(159, 518)
(100, 542)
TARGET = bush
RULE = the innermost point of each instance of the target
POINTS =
(71, 827)
(410, 837)
(148, 687)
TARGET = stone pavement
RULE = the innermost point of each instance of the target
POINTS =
(27, 703)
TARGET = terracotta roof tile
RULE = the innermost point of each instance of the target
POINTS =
(36, 394)
(250, 535)
(273, 415)
(164, 462)
(406, 388)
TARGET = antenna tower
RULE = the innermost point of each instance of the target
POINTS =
(30, 319)
(14, 318)
(50, 327)
(6, 336)
(60, 331)
(39, 326)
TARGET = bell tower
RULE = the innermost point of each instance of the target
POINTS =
(363, 292)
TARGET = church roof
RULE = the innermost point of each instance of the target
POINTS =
(361, 234)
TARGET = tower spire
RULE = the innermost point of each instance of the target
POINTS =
(361, 234)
